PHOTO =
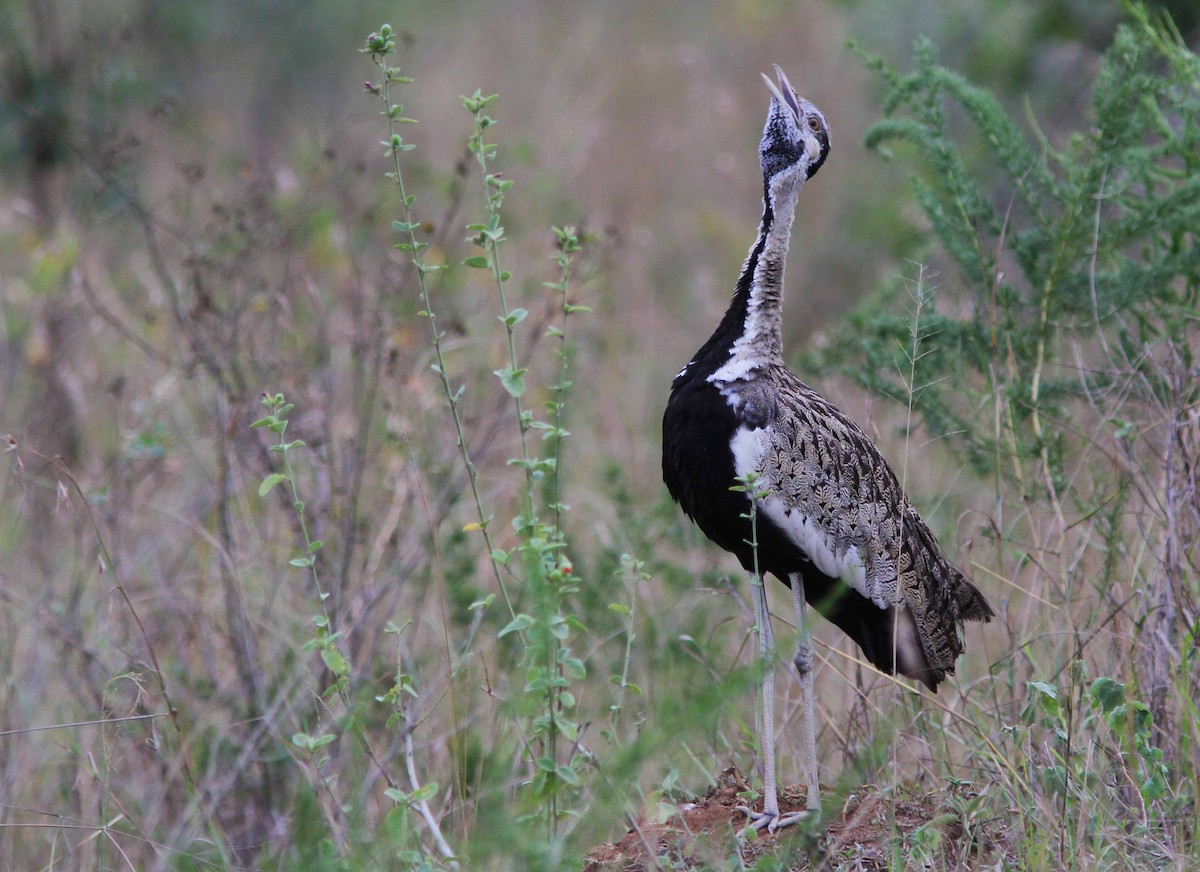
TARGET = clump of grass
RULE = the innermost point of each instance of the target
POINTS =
(534, 576)
(1067, 375)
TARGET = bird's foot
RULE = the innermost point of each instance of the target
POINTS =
(772, 822)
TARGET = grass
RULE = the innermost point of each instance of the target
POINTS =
(436, 611)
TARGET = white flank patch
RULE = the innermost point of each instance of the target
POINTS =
(748, 448)
(910, 657)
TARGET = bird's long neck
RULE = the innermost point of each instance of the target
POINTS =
(750, 336)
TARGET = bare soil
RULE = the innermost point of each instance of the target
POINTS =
(872, 831)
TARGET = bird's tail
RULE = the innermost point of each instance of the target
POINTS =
(971, 604)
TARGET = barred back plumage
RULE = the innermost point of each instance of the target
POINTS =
(820, 465)
(834, 524)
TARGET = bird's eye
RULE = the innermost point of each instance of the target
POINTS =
(813, 124)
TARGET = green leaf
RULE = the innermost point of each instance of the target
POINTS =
(269, 483)
(311, 743)
(1045, 689)
(1154, 787)
(1107, 694)
(302, 562)
(483, 603)
(1043, 702)
(516, 316)
(513, 380)
(477, 262)
(335, 662)
(1054, 779)
(664, 811)
(518, 624)
(425, 792)
(568, 728)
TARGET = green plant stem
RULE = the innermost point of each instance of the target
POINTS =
(632, 572)
(395, 146)
(490, 239)
(568, 244)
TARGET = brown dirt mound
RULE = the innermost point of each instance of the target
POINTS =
(872, 831)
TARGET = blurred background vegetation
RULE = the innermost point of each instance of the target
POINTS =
(194, 211)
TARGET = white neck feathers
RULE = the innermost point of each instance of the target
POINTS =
(761, 341)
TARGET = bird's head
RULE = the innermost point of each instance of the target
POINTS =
(795, 141)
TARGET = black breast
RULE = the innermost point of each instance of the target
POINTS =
(698, 427)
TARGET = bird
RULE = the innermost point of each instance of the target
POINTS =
(817, 506)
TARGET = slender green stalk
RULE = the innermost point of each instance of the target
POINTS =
(548, 572)
(379, 46)
(632, 571)
(489, 236)
(276, 422)
(568, 245)
(543, 569)
(913, 354)
(748, 484)
(326, 640)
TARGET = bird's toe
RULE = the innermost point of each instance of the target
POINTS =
(772, 822)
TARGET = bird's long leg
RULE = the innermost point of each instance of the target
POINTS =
(769, 818)
(804, 666)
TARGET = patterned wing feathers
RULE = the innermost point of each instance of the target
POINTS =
(826, 471)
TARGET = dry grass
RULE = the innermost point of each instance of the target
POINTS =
(219, 227)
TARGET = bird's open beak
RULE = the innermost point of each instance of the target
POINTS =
(783, 92)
